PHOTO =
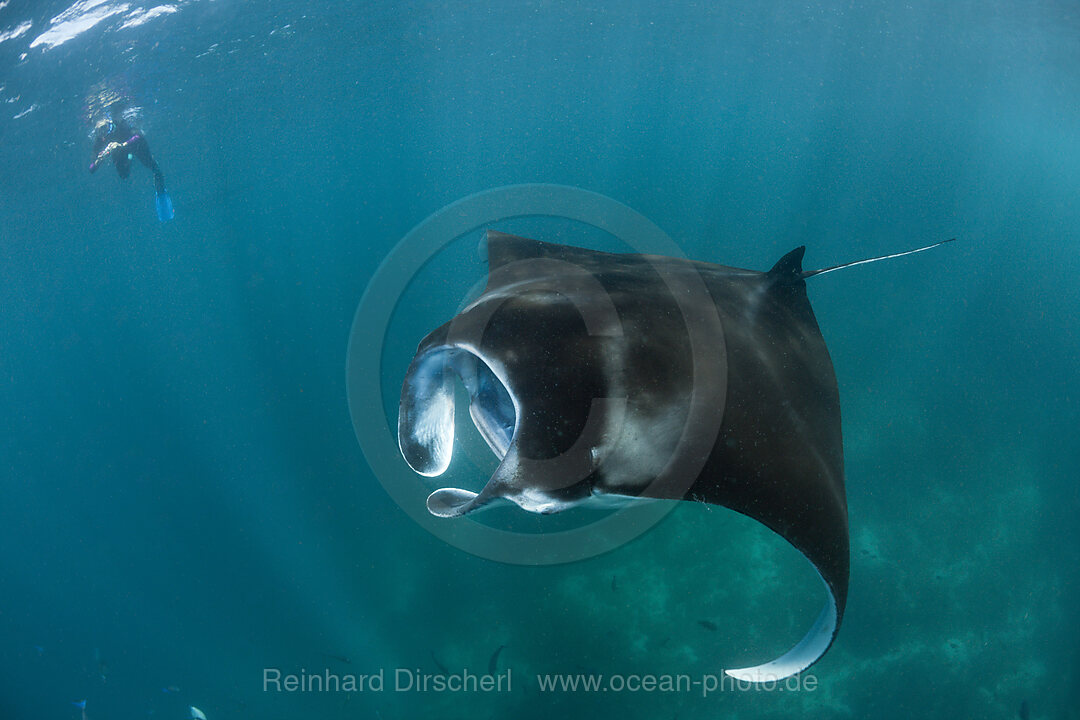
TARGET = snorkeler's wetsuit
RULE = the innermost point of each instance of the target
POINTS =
(118, 140)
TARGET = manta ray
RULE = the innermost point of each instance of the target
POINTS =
(598, 378)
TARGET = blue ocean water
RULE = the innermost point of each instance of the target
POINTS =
(186, 504)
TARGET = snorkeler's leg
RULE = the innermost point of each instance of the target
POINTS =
(122, 163)
(159, 179)
(138, 147)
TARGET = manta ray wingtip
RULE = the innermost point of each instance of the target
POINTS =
(807, 652)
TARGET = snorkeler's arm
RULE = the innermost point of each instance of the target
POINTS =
(105, 152)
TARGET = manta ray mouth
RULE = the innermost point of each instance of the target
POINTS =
(426, 416)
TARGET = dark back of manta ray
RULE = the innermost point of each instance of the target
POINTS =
(778, 455)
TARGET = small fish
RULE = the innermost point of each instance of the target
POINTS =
(81, 704)
(170, 689)
(708, 625)
(493, 663)
(197, 714)
(614, 586)
(39, 650)
(1025, 710)
(338, 658)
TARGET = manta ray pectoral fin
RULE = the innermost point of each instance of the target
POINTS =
(800, 657)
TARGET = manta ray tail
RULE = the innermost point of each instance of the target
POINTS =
(812, 273)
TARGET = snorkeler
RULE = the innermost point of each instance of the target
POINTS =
(115, 138)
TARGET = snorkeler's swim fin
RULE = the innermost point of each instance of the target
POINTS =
(163, 203)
